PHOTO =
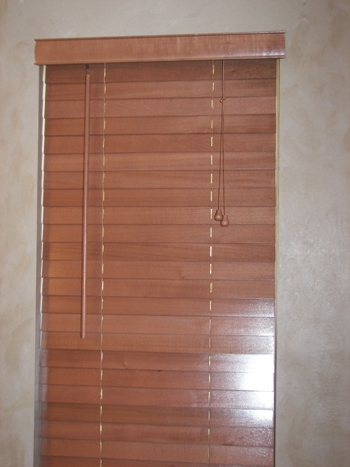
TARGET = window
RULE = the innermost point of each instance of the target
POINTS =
(176, 365)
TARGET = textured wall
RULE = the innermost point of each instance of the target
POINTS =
(313, 322)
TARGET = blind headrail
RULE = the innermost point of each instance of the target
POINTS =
(160, 48)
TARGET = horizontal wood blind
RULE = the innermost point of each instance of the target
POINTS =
(177, 365)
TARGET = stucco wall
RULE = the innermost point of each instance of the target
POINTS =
(313, 320)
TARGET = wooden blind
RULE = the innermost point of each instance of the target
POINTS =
(177, 367)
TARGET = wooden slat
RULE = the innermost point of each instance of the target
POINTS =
(242, 326)
(159, 48)
(247, 69)
(56, 461)
(71, 269)
(161, 269)
(56, 233)
(54, 304)
(144, 463)
(155, 452)
(159, 397)
(57, 322)
(241, 436)
(184, 179)
(159, 343)
(170, 89)
(156, 379)
(190, 70)
(237, 307)
(70, 251)
(158, 216)
(161, 161)
(161, 107)
(70, 394)
(188, 344)
(159, 361)
(129, 325)
(184, 107)
(163, 325)
(154, 433)
(242, 345)
(245, 363)
(264, 142)
(189, 289)
(73, 73)
(179, 416)
(241, 418)
(189, 252)
(242, 399)
(192, 380)
(149, 71)
(70, 359)
(162, 125)
(160, 197)
(243, 289)
(71, 376)
(251, 456)
(160, 306)
(180, 125)
(189, 325)
(242, 381)
(223, 455)
(72, 126)
(256, 364)
(159, 179)
(70, 412)
(70, 430)
(70, 341)
(156, 71)
(161, 288)
(150, 270)
(70, 448)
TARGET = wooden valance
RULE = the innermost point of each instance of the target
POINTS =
(160, 48)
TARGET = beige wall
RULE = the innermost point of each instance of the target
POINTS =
(313, 322)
